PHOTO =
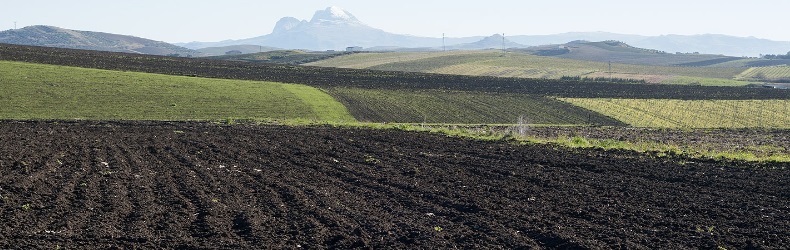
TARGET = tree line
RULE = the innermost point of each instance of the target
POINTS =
(769, 56)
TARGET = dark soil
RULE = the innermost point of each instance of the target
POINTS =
(78, 185)
(762, 142)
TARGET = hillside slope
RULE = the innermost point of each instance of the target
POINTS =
(49, 36)
(523, 65)
(36, 91)
(337, 77)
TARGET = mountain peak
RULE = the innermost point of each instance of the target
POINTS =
(334, 14)
(286, 24)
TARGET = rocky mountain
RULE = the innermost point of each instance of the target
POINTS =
(336, 29)
(331, 29)
(49, 36)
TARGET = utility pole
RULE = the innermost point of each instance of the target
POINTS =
(444, 46)
(503, 43)
(610, 71)
(14, 24)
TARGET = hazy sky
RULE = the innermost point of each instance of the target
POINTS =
(198, 20)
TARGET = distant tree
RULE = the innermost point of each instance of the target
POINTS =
(770, 56)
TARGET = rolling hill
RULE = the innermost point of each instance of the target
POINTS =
(243, 49)
(49, 36)
(620, 52)
(523, 64)
(36, 91)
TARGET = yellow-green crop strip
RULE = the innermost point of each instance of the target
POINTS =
(765, 73)
(494, 63)
(691, 114)
(35, 91)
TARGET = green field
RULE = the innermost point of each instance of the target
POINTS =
(692, 114)
(436, 106)
(765, 73)
(34, 91)
(702, 81)
(494, 63)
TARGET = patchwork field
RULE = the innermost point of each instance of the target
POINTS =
(494, 63)
(76, 183)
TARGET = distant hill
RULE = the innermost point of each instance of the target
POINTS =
(496, 41)
(49, 36)
(620, 52)
(294, 57)
(243, 49)
(703, 44)
(524, 63)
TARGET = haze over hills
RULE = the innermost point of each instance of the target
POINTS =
(619, 52)
(227, 50)
(704, 44)
(336, 29)
(330, 29)
(49, 36)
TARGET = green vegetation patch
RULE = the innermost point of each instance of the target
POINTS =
(703, 81)
(34, 91)
(772, 73)
(691, 113)
(437, 106)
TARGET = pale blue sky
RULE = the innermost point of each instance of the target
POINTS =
(197, 20)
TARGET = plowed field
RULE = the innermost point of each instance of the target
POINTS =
(83, 185)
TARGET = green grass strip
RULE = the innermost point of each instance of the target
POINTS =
(35, 91)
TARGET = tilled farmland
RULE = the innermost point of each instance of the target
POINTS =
(200, 185)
